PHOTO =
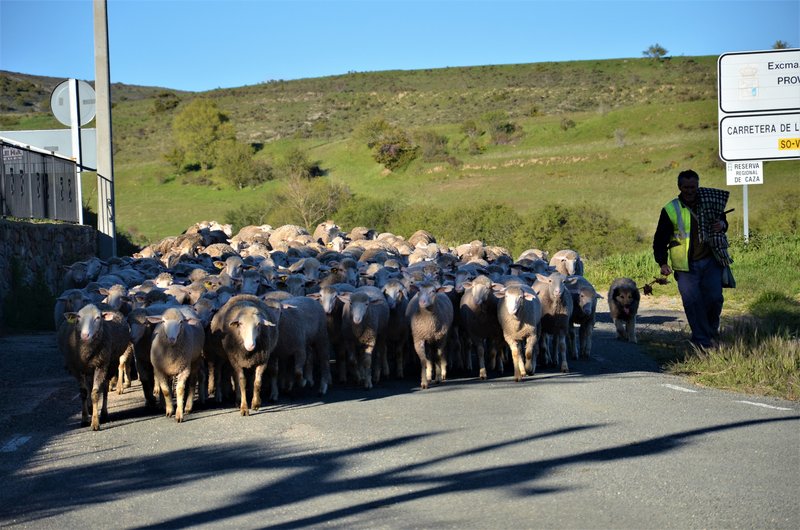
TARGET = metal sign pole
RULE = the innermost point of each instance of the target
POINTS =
(746, 217)
(77, 151)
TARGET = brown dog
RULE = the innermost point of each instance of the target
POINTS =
(623, 304)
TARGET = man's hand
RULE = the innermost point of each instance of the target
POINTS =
(719, 226)
(665, 270)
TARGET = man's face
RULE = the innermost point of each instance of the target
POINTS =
(688, 189)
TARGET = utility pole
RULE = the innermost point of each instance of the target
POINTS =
(107, 242)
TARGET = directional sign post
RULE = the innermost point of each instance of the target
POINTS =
(759, 114)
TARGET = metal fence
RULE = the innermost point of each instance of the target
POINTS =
(37, 184)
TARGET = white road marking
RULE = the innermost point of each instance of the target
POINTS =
(680, 388)
(14, 443)
(764, 405)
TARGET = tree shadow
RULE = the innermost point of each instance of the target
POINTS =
(303, 476)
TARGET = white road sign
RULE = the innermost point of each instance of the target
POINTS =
(759, 81)
(759, 105)
(760, 137)
(741, 173)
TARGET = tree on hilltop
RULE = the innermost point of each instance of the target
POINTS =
(780, 45)
(655, 51)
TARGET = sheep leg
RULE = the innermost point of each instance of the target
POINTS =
(84, 391)
(380, 364)
(97, 385)
(258, 378)
(191, 382)
(180, 393)
(562, 351)
(442, 371)
(479, 349)
(323, 357)
(241, 389)
(519, 365)
(419, 347)
(365, 365)
(586, 339)
(166, 391)
(212, 380)
(531, 351)
(341, 362)
(273, 377)
(299, 367)
(572, 344)
(630, 330)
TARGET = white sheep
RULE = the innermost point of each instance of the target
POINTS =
(520, 314)
(175, 354)
(556, 313)
(430, 316)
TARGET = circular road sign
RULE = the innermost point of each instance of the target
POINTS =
(60, 102)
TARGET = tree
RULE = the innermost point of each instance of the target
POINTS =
(236, 163)
(656, 51)
(780, 45)
(198, 129)
(311, 201)
(295, 164)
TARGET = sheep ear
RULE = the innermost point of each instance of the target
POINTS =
(265, 322)
(344, 297)
(71, 317)
(154, 319)
(499, 293)
(530, 296)
(314, 296)
(600, 296)
(542, 277)
(219, 264)
(108, 315)
(466, 285)
(444, 289)
(194, 321)
(103, 291)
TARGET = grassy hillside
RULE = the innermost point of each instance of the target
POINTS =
(635, 124)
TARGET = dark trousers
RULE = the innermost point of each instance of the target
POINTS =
(701, 292)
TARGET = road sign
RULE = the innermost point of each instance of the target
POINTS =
(60, 103)
(760, 136)
(759, 105)
(743, 173)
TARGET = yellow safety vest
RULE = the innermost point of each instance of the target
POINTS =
(679, 246)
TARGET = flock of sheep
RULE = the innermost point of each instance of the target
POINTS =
(222, 313)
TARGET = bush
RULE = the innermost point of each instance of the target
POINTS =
(372, 213)
(395, 150)
(584, 227)
(29, 305)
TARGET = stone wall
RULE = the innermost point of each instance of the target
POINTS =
(42, 249)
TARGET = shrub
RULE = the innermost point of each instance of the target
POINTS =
(236, 163)
(26, 302)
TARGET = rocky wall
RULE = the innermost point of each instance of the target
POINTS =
(41, 250)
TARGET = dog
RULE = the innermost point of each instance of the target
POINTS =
(623, 304)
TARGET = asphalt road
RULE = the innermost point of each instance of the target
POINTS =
(613, 444)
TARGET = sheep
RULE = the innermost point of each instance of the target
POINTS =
(142, 337)
(556, 313)
(430, 316)
(421, 237)
(92, 341)
(397, 333)
(478, 316)
(302, 330)
(623, 305)
(342, 271)
(567, 262)
(70, 301)
(534, 254)
(80, 273)
(326, 232)
(365, 317)
(332, 305)
(175, 353)
(519, 313)
(246, 329)
(584, 307)
(286, 233)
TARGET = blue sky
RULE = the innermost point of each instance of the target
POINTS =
(205, 44)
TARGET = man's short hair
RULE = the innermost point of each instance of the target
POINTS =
(688, 174)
